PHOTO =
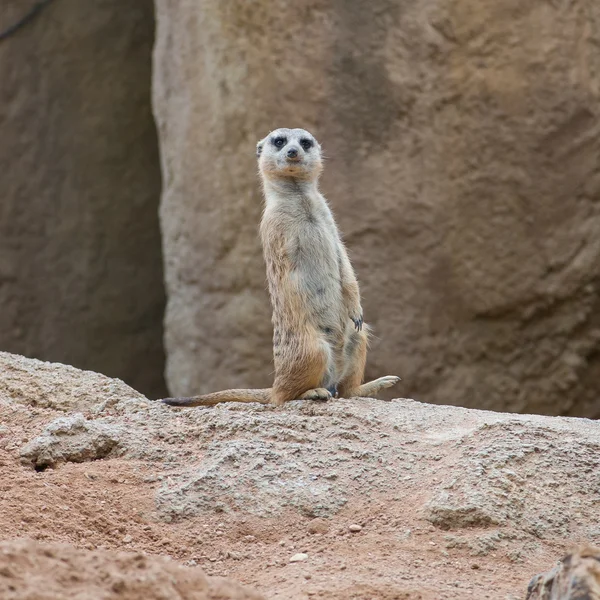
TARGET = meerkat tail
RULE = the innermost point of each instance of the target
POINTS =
(261, 395)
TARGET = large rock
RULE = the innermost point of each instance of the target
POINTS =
(576, 577)
(58, 387)
(80, 257)
(451, 502)
(462, 141)
(71, 439)
(528, 477)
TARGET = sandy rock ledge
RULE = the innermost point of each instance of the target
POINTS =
(422, 485)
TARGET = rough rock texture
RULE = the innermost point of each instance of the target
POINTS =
(485, 469)
(80, 256)
(510, 472)
(30, 570)
(57, 386)
(576, 577)
(381, 499)
(463, 142)
(71, 439)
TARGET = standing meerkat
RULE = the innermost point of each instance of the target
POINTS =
(319, 339)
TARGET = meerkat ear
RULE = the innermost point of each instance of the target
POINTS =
(259, 148)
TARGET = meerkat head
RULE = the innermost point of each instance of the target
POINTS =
(289, 153)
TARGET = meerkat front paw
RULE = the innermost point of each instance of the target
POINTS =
(358, 321)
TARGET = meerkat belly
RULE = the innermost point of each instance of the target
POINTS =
(316, 274)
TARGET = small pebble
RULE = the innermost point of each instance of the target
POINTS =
(298, 557)
(354, 528)
(127, 539)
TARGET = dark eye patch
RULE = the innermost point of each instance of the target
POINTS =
(279, 142)
(306, 144)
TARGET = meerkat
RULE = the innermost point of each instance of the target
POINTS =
(319, 338)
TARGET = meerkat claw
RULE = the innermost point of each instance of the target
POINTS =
(358, 323)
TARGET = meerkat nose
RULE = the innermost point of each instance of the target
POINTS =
(292, 153)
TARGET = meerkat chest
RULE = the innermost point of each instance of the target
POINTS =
(312, 250)
(301, 237)
(312, 243)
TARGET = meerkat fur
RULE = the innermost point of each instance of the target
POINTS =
(319, 338)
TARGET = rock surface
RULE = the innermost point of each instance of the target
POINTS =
(576, 577)
(56, 386)
(71, 439)
(80, 249)
(402, 499)
(484, 469)
(33, 571)
(462, 143)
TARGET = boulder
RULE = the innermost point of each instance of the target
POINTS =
(71, 439)
(410, 500)
(576, 577)
(58, 387)
(80, 248)
(462, 144)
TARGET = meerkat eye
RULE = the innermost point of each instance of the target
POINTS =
(279, 142)
(306, 144)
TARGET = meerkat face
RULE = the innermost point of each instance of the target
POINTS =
(289, 153)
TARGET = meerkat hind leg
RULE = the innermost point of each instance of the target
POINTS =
(352, 384)
(356, 356)
(301, 380)
(372, 388)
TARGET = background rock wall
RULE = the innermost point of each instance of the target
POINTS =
(463, 144)
(80, 258)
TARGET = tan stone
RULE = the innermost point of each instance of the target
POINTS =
(80, 259)
(463, 143)
(240, 489)
(576, 577)
(57, 387)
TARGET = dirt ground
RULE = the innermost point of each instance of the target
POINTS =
(109, 504)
